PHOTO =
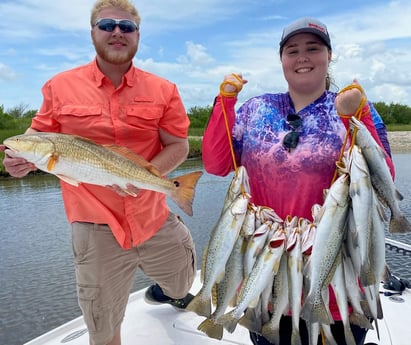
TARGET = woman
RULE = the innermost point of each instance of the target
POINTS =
(289, 143)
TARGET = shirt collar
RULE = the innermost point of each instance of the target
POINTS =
(128, 78)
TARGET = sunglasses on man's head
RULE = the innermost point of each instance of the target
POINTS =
(109, 25)
(292, 138)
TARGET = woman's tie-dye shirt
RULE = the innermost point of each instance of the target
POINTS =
(288, 182)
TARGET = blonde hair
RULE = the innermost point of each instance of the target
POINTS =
(124, 5)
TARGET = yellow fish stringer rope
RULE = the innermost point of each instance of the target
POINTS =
(224, 94)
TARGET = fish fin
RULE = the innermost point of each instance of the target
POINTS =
(203, 263)
(380, 211)
(68, 180)
(200, 306)
(367, 276)
(398, 195)
(251, 321)
(360, 320)
(228, 321)
(271, 332)
(399, 224)
(134, 157)
(366, 308)
(211, 328)
(373, 301)
(244, 246)
(254, 302)
(315, 313)
(214, 294)
(183, 194)
(51, 163)
(349, 337)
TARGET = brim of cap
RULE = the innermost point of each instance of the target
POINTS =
(323, 37)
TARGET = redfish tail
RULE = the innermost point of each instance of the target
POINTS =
(183, 194)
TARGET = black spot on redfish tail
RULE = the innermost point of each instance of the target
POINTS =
(183, 194)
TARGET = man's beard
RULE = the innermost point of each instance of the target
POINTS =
(115, 57)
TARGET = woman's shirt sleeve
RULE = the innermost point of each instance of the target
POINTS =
(216, 149)
(381, 129)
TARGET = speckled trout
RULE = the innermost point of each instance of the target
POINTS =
(380, 176)
(76, 160)
(327, 243)
(222, 240)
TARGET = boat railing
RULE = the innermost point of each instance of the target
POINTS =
(400, 247)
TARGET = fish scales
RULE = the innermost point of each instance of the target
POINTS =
(76, 160)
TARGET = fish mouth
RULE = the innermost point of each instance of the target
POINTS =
(10, 152)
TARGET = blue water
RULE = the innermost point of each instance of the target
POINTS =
(37, 282)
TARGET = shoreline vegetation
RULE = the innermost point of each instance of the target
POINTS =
(400, 142)
(397, 118)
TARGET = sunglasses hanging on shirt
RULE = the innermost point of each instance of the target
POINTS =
(292, 138)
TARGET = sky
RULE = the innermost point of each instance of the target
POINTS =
(194, 43)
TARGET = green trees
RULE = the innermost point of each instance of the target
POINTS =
(198, 119)
(16, 118)
(19, 117)
(394, 113)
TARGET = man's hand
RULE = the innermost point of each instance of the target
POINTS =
(16, 166)
(131, 190)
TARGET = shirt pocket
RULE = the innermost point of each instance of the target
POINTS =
(145, 117)
(81, 110)
(81, 119)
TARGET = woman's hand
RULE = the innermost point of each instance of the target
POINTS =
(349, 99)
(232, 84)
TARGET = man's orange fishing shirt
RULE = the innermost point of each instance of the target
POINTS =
(82, 101)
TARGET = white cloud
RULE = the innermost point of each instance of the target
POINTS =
(194, 43)
(6, 73)
(196, 55)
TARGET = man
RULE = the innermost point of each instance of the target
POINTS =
(112, 102)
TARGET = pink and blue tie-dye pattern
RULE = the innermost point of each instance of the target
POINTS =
(299, 176)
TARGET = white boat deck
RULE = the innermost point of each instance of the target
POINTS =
(147, 324)
(163, 325)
